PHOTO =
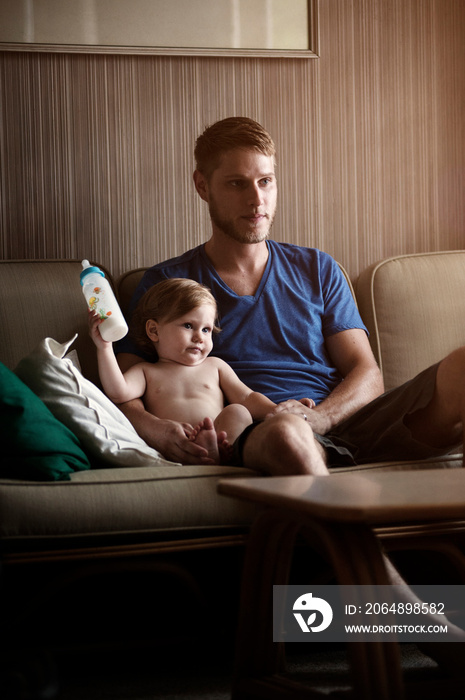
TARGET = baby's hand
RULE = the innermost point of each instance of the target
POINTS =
(309, 403)
(94, 321)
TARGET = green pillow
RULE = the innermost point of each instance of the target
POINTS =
(35, 444)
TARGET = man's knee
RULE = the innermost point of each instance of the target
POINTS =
(440, 422)
(456, 358)
(284, 444)
(451, 374)
(283, 429)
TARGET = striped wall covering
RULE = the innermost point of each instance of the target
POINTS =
(96, 149)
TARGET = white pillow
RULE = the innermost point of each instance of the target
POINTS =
(104, 431)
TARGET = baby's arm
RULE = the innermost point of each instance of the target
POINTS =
(118, 387)
(237, 392)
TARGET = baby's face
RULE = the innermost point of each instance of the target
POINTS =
(186, 340)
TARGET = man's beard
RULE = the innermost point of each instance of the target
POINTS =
(250, 235)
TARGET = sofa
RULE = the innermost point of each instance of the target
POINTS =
(118, 502)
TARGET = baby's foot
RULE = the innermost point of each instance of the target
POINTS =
(205, 435)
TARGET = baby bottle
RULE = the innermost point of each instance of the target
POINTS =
(100, 298)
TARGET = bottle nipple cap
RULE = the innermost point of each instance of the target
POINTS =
(87, 268)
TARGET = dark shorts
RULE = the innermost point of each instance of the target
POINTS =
(237, 457)
(377, 432)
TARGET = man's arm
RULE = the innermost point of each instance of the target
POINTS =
(351, 354)
(167, 436)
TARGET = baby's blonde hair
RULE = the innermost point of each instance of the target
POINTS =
(167, 301)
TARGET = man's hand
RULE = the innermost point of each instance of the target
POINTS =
(351, 354)
(168, 437)
(174, 443)
(305, 408)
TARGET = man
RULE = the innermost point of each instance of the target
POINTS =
(291, 330)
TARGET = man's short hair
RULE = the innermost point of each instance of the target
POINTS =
(229, 134)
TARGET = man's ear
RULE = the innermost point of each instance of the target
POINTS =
(201, 185)
(151, 328)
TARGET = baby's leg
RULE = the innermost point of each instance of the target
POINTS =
(218, 437)
(229, 424)
(233, 419)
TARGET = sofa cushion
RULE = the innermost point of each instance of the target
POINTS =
(105, 433)
(34, 443)
(41, 298)
(130, 503)
(144, 503)
(413, 307)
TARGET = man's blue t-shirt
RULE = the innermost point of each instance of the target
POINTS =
(274, 340)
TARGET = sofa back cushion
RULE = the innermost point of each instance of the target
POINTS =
(40, 299)
(127, 285)
(414, 309)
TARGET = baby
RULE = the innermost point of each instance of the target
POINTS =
(177, 318)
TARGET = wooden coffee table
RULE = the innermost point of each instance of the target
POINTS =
(344, 512)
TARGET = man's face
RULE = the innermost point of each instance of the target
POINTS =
(241, 195)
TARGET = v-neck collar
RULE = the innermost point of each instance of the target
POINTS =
(225, 286)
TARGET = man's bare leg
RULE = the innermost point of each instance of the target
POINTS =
(284, 445)
(287, 447)
(440, 424)
(448, 655)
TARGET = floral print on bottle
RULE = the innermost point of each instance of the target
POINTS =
(94, 302)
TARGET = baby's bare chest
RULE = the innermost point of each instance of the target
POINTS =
(184, 382)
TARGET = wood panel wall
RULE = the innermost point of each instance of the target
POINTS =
(96, 150)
